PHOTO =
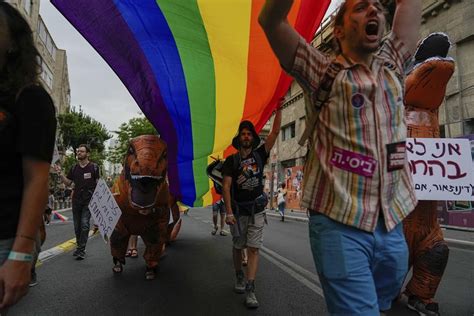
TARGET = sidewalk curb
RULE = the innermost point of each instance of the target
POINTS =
(60, 249)
(455, 243)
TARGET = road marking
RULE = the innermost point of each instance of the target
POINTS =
(307, 278)
(309, 275)
(460, 242)
(59, 249)
(312, 286)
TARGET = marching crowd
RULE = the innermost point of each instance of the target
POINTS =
(355, 214)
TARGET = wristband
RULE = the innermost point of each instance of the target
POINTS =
(20, 256)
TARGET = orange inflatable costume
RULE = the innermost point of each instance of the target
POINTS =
(425, 91)
(148, 209)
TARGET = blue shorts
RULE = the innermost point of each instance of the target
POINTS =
(361, 273)
(218, 207)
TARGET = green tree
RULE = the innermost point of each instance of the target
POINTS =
(134, 127)
(77, 128)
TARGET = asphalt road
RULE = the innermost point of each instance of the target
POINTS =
(196, 277)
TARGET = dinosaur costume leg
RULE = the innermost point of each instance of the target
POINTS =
(427, 249)
(119, 241)
(155, 237)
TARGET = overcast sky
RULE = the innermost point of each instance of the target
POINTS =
(93, 84)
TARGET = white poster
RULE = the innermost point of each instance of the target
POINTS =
(56, 156)
(442, 168)
(104, 209)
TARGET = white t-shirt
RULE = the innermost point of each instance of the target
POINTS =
(281, 196)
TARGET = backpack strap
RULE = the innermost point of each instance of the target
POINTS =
(315, 102)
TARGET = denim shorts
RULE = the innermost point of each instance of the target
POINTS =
(218, 207)
(361, 273)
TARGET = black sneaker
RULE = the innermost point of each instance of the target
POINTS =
(250, 298)
(81, 255)
(33, 280)
(417, 305)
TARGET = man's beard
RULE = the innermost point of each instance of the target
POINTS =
(246, 144)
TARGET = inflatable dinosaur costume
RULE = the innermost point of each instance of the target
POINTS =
(148, 209)
(425, 91)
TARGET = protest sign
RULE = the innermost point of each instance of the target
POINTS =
(56, 156)
(442, 168)
(104, 209)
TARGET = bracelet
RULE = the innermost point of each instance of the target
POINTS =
(26, 237)
(20, 256)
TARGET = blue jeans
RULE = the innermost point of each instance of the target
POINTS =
(81, 217)
(360, 272)
(281, 208)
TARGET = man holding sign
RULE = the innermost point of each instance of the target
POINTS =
(84, 175)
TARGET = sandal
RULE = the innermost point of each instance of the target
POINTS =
(118, 268)
(128, 253)
(134, 253)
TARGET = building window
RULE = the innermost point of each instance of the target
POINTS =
(46, 74)
(27, 4)
(442, 131)
(288, 131)
(469, 127)
(46, 39)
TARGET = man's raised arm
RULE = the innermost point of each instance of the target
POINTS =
(282, 36)
(407, 21)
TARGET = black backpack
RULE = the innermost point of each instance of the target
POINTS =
(214, 170)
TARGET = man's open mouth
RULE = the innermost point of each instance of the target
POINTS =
(372, 30)
(144, 190)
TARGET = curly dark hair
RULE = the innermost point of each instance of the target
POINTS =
(21, 66)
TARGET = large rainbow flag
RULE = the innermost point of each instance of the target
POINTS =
(196, 68)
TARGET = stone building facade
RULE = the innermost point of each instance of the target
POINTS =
(53, 61)
(453, 17)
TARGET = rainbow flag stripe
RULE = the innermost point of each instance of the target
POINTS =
(196, 68)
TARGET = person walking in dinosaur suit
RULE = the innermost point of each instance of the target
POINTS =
(425, 92)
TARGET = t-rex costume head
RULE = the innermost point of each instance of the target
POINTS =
(426, 85)
(425, 91)
(148, 209)
(144, 173)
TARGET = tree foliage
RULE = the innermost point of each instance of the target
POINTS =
(134, 127)
(77, 128)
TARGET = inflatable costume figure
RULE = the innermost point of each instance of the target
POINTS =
(425, 91)
(148, 209)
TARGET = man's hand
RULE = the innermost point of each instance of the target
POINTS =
(14, 281)
(230, 219)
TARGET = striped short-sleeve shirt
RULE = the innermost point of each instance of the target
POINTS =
(357, 167)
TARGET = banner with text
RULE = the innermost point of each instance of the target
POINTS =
(442, 168)
(104, 209)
